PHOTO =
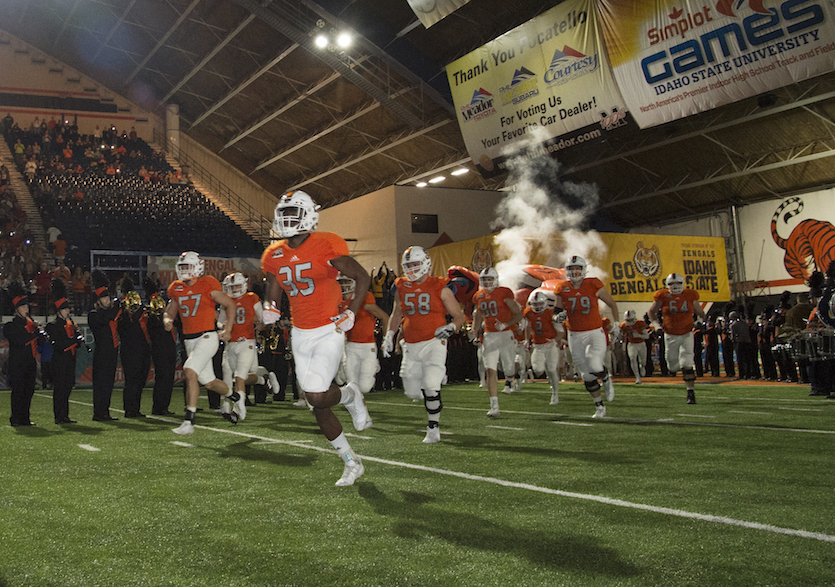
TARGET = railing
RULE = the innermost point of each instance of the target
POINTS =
(255, 223)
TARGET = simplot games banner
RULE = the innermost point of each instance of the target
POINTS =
(637, 264)
(550, 73)
(674, 58)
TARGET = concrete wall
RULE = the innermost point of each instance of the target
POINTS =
(381, 222)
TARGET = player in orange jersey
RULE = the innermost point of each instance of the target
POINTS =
(360, 359)
(636, 334)
(240, 358)
(496, 315)
(423, 303)
(194, 297)
(676, 305)
(578, 296)
(542, 337)
(304, 266)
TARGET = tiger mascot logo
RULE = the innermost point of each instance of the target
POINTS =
(811, 244)
(482, 258)
(646, 260)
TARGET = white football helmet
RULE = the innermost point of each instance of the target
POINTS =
(189, 266)
(575, 270)
(630, 317)
(415, 263)
(675, 283)
(347, 284)
(542, 299)
(296, 213)
(234, 285)
(489, 279)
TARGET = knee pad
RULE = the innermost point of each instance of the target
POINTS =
(601, 374)
(689, 374)
(427, 398)
(592, 386)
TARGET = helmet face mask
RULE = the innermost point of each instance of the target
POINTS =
(348, 286)
(489, 279)
(575, 270)
(189, 266)
(296, 213)
(415, 263)
(629, 317)
(675, 283)
(541, 299)
(234, 285)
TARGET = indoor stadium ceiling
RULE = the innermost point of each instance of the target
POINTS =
(252, 87)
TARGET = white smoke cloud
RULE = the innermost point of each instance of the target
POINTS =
(538, 206)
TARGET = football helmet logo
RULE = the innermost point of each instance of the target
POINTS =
(234, 285)
(189, 266)
(415, 263)
(575, 270)
(675, 283)
(296, 213)
(489, 279)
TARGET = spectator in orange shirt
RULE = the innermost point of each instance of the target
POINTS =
(59, 250)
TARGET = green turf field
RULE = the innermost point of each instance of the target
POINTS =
(736, 490)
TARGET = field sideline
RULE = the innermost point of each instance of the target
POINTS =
(735, 490)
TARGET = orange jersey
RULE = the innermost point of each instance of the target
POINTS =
(631, 331)
(493, 306)
(364, 324)
(197, 308)
(581, 304)
(677, 310)
(422, 307)
(540, 326)
(243, 323)
(307, 277)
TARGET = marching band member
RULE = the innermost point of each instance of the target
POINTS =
(102, 320)
(65, 338)
(23, 334)
(135, 350)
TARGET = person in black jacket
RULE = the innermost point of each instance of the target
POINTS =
(163, 350)
(65, 338)
(22, 334)
(103, 320)
(136, 348)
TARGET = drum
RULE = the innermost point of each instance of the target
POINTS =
(824, 344)
(801, 346)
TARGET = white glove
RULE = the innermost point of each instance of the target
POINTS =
(472, 335)
(388, 344)
(615, 331)
(271, 313)
(344, 321)
(500, 326)
(445, 331)
(560, 318)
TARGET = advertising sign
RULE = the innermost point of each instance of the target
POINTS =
(548, 79)
(674, 58)
(165, 266)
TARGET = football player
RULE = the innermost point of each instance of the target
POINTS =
(676, 305)
(194, 297)
(636, 334)
(496, 315)
(240, 359)
(542, 337)
(578, 295)
(361, 364)
(423, 303)
(304, 266)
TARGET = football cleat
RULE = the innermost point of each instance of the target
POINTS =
(184, 429)
(600, 412)
(433, 435)
(240, 405)
(610, 389)
(353, 471)
(493, 413)
(555, 397)
(691, 397)
(507, 388)
(356, 407)
(300, 403)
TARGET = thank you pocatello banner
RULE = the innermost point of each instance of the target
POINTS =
(635, 265)
(550, 73)
(674, 58)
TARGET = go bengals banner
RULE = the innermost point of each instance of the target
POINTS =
(166, 266)
(674, 58)
(635, 265)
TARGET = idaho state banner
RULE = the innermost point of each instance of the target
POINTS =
(548, 75)
(674, 58)
(637, 264)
